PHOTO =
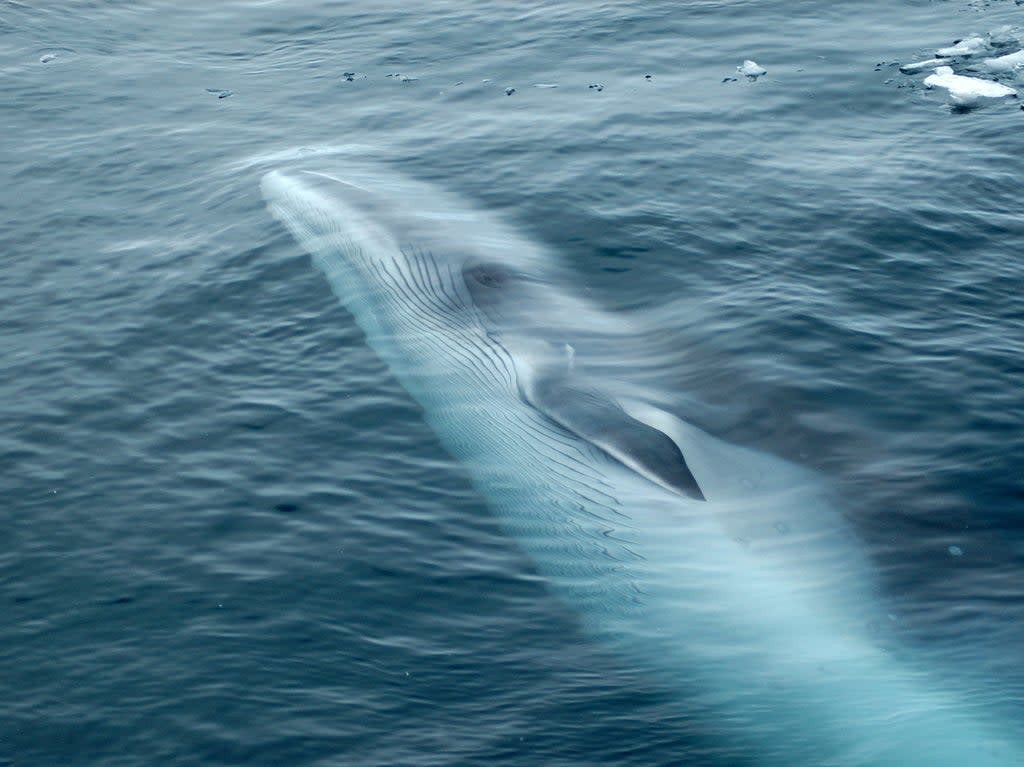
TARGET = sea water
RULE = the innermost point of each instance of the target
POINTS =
(228, 536)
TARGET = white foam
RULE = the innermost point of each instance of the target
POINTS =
(361, 151)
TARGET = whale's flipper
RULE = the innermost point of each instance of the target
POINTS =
(597, 418)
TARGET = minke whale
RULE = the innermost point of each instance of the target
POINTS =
(726, 574)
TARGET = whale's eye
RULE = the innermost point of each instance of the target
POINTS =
(488, 275)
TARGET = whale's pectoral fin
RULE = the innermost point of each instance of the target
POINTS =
(597, 418)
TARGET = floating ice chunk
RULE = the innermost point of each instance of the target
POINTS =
(967, 92)
(1003, 36)
(751, 69)
(545, 85)
(969, 46)
(1007, 63)
(956, 551)
(920, 66)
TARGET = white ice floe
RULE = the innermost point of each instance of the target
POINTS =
(1007, 63)
(969, 46)
(920, 66)
(967, 91)
(751, 69)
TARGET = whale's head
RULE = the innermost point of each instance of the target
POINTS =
(410, 260)
(450, 267)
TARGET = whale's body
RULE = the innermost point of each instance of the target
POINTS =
(722, 571)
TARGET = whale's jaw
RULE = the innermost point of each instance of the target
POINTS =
(754, 600)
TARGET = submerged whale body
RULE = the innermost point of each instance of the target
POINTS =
(723, 572)
(498, 292)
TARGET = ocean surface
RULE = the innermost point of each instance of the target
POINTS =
(228, 536)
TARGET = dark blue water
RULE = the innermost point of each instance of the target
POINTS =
(228, 535)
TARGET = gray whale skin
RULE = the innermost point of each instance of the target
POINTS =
(722, 572)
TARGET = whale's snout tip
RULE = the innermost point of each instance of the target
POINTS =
(272, 185)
